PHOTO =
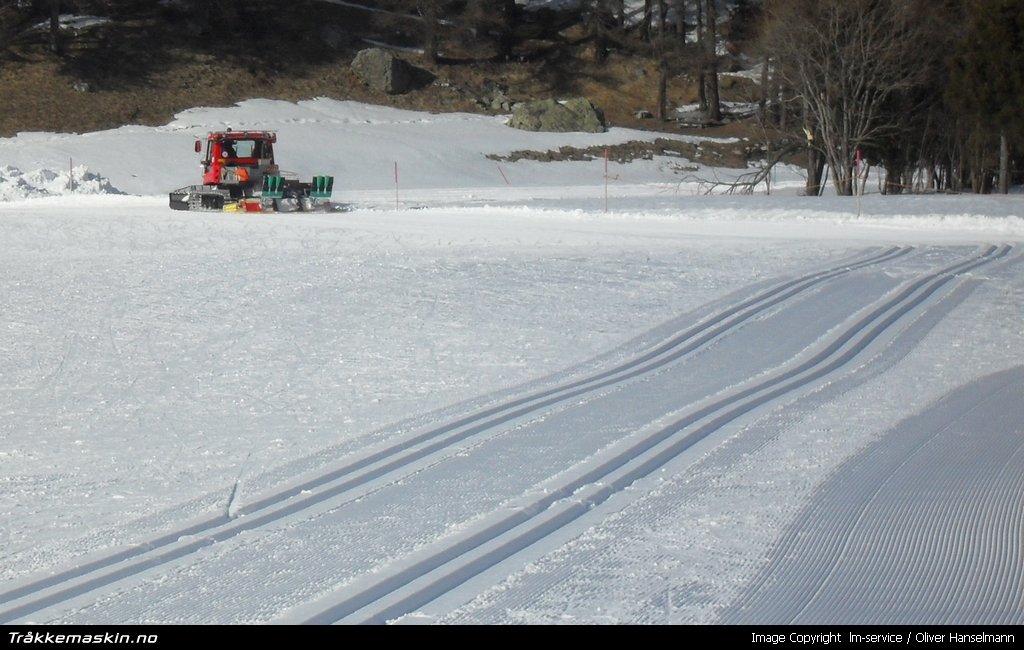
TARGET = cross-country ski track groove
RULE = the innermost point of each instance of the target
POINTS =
(436, 568)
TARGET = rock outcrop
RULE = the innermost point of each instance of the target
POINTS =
(576, 114)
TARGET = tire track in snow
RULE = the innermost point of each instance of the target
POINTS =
(61, 586)
(441, 567)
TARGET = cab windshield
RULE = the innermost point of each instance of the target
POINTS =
(241, 148)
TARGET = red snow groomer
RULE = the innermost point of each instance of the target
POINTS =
(239, 174)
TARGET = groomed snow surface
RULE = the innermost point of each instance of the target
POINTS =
(497, 392)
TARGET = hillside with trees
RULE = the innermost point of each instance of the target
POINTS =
(930, 91)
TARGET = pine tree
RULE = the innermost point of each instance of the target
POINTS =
(986, 88)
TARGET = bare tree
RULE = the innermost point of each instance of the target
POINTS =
(845, 60)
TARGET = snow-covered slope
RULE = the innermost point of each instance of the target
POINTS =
(500, 392)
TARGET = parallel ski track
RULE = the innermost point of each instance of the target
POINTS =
(66, 585)
(439, 569)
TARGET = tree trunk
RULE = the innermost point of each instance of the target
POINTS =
(839, 159)
(702, 89)
(662, 90)
(55, 41)
(957, 170)
(714, 104)
(762, 104)
(645, 25)
(978, 185)
(507, 29)
(600, 21)
(1004, 164)
(429, 12)
(843, 181)
(781, 106)
(815, 171)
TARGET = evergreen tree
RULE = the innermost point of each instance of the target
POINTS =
(986, 88)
